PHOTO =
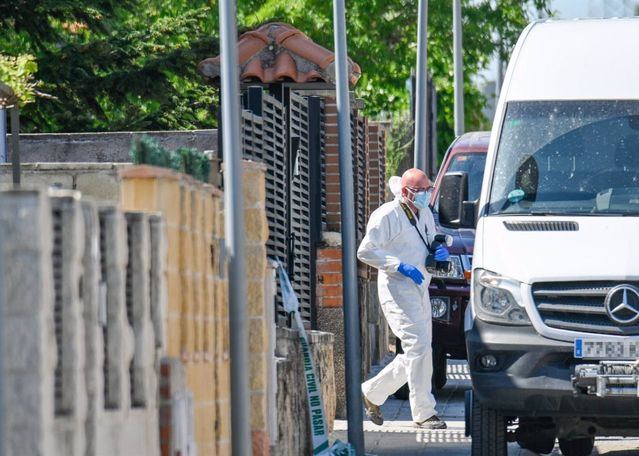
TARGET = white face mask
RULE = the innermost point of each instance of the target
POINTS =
(421, 199)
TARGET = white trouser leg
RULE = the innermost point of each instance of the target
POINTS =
(387, 381)
(419, 355)
(415, 365)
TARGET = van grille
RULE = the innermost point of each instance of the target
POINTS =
(542, 226)
(578, 306)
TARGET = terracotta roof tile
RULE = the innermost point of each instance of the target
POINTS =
(278, 52)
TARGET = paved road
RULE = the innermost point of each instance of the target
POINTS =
(397, 437)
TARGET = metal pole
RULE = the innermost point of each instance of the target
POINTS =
(15, 144)
(352, 331)
(499, 78)
(234, 232)
(421, 113)
(3, 383)
(459, 68)
(3, 135)
(3, 393)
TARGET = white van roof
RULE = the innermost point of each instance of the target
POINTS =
(576, 59)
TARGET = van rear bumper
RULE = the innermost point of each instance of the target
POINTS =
(533, 375)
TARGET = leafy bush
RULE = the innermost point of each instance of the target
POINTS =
(18, 84)
(189, 161)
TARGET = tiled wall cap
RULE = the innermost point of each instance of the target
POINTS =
(279, 52)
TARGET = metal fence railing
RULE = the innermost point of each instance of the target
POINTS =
(287, 132)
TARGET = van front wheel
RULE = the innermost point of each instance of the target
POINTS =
(488, 431)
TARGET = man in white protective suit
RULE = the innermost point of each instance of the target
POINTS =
(396, 243)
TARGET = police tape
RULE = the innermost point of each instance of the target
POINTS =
(319, 428)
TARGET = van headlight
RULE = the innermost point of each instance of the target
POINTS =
(498, 299)
(456, 270)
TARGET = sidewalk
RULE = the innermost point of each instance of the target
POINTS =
(398, 437)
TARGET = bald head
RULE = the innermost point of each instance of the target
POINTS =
(414, 180)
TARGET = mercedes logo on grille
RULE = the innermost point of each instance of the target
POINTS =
(622, 304)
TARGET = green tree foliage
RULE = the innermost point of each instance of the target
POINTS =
(17, 84)
(127, 64)
(113, 64)
(382, 40)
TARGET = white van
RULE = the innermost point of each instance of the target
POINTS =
(552, 331)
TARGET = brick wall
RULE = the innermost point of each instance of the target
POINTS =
(368, 144)
(333, 215)
(329, 277)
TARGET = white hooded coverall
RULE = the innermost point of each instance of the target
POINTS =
(390, 240)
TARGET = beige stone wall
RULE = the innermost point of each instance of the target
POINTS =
(196, 291)
(197, 318)
(256, 228)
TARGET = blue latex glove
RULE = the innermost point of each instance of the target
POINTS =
(411, 272)
(441, 254)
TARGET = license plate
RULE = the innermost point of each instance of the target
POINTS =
(606, 349)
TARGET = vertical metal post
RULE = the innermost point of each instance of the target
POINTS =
(421, 112)
(15, 144)
(459, 68)
(2, 351)
(433, 133)
(3, 135)
(499, 79)
(352, 330)
(315, 189)
(234, 232)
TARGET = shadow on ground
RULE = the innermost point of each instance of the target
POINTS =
(398, 437)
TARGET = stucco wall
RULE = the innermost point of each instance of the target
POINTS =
(104, 147)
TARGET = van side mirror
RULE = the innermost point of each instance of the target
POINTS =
(455, 211)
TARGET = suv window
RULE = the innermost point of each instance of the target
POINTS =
(568, 157)
(472, 164)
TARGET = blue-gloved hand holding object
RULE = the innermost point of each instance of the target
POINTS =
(411, 272)
(441, 254)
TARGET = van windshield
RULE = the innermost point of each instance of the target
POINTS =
(567, 158)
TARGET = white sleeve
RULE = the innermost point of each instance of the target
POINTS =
(374, 247)
(431, 228)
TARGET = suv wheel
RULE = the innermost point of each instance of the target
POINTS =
(402, 393)
(488, 431)
(440, 364)
(577, 447)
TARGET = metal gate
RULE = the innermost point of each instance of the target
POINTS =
(300, 214)
(288, 137)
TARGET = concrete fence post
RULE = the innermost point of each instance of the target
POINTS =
(70, 385)
(29, 362)
(143, 379)
(158, 292)
(94, 297)
(117, 333)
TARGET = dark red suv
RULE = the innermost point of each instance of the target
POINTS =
(450, 292)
